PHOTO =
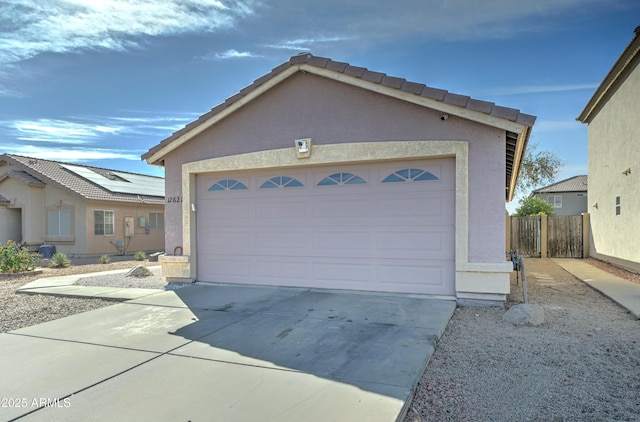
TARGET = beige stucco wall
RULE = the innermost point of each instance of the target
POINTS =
(614, 146)
(140, 241)
(27, 201)
(31, 205)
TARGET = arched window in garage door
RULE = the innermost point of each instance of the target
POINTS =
(341, 179)
(228, 184)
(409, 175)
(281, 182)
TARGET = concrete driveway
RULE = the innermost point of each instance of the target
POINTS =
(225, 353)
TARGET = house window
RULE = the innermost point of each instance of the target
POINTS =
(103, 223)
(555, 200)
(156, 220)
(617, 205)
(59, 222)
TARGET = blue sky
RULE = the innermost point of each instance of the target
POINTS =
(99, 82)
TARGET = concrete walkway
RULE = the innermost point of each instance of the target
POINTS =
(221, 353)
(65, 286)
(622, 291)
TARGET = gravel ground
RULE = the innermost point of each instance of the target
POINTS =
(155, 281)
(581, 364)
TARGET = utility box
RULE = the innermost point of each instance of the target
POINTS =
(47, 251)
(129, 226)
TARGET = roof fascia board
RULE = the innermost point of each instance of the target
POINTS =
(158, 155)
(416, 99)
(521, 144)
(620, 69)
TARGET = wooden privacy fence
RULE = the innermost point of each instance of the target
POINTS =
(562, 236)
(525, 235)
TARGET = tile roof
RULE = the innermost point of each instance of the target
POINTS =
(572, 184)
(400, 84)
(486, 112)
(25, 178)
(35, 170)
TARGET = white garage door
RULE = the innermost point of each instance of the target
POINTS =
(377, 227)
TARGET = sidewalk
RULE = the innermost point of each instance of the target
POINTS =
(65, 286)
(625, 293)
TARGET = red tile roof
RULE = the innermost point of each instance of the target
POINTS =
(34, 171)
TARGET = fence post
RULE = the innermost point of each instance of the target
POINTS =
(544, 237)
(586, 234)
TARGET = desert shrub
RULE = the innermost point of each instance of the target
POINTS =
(140, 256)
(104, 259)
(14, 259)
(59, 260)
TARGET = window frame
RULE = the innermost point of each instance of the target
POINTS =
(104, 223)
(553, 200)
(153, 222)
(59, 237)
(618, 206)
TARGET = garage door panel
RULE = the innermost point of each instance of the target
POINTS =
(417, 274)
(220, 212)
(271, 210)
(268, 241)
(346, 273)
(420, 245)
(227, 242)
(281, 269)
(371, 236)
(435, 279)
(340, 241)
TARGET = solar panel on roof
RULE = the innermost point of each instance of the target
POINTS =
(135, 184)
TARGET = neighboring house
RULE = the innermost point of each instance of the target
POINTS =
(612, 114)
(80, 210)
(568, 197)
(322, 174)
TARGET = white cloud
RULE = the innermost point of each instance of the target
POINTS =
(374, 21)
(307, 43)
(538, 89)
(63, 26)
(231, 54)
(72, 155)
(58, 131)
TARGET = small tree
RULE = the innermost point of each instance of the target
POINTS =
(533, 206)
(538, 168)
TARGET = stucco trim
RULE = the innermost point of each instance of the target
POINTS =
(339, 154)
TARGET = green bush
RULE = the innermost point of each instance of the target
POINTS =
(14, 259)
(104, 259)
(140, 256)
(533, 206)
(59, 260)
